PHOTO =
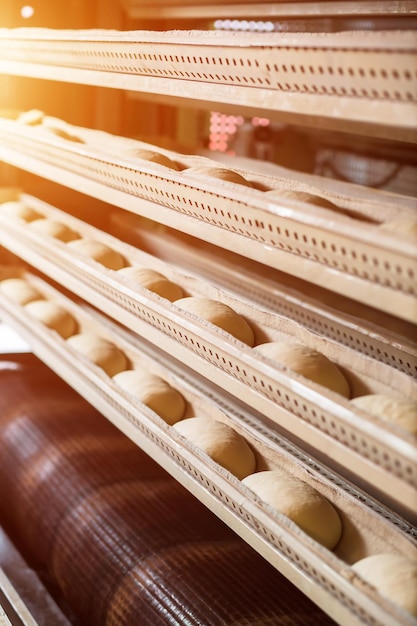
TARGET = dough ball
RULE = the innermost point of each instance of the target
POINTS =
(394, 576)
(220, 315)
(154, 157)
(154, 281)
(301, 196)
(155, 392)
(308, 363)
(99, 252)
(62, 133)
(221, 173)
(55, 229)
(403, 413)
(19, 290)
(299, 501)
(18, 210)
(100, 351)
(54, 316)
(405, 226)
(33, 117)
(220, 442)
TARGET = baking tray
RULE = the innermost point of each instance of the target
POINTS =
(312, 76)
(378, 454)
(325, 576)
(344, 251)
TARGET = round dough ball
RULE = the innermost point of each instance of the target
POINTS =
(299, 501)
(154, 281)
(99, 252)
(301, 196)
(54, 316)
(55, 229)
(154, 157)
(18, 210)
(221, 173)
(19, 290)
(220, 315)
(308, 363)
(100, 351)
(33, 117)
(220, 442)
(401, 412)
(394, 576)
(405, 226)
(155, 392)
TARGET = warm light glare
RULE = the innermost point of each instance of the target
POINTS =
(27, 11)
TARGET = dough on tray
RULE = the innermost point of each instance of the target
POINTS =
(394, 576)
(155, 392)
(100, 351)
(99, 252)
(219, 314)
(154, 281)
(33, 117)
(153, 157)
(302, 196)
(54, 228)
(307, 362)
(54, 316)
(222, 173)
(401, 412)
(299, 501)
(19, 290)
(20, 211)
(220, 442)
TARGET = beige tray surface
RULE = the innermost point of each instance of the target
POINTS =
(326, 247)
(324, 576)
(380, 453)
(315, 75)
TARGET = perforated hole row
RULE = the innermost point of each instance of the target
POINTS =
(379, 267)
(395, 274)
(381, 456)
(354, 73)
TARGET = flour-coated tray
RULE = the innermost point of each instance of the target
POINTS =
(379, 454)
(319, 76)
(343, 250)
(324, 575)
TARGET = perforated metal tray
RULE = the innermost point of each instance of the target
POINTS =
(324, 576)
(330, 248)
(380, 455)
(318, 76)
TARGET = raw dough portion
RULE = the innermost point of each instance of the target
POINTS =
(394, 576)
(395, 410)
(155, 392)
(18, 210)
(154, 281)
(54, 316)
(402, 226)
(220, 315)
(19, 290)
(299, 501)
(302, 196)
(33, 117)
(98, 251)
(221, 173)
(154, 157)
(100, 351)
(220, 442)
(55, 229)
(308, 363)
